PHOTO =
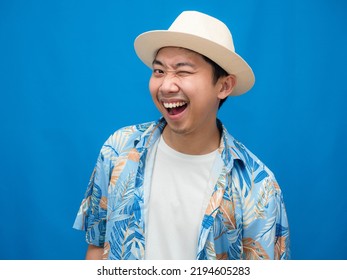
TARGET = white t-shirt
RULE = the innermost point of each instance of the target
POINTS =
(179, 194)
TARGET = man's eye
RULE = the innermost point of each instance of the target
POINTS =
(158, 71)
(183, 73)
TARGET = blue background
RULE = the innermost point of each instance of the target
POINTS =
(69, 77)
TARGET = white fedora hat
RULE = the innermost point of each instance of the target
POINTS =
(203, 34)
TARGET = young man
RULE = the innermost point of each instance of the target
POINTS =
(183, 187)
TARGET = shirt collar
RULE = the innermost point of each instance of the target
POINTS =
(229, 148)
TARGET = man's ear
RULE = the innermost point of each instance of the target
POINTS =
(227, 84)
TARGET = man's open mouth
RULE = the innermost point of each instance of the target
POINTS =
(175, 108)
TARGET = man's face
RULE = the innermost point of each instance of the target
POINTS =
(182, 88)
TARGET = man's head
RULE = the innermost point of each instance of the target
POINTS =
(187, 89)
(205, 35)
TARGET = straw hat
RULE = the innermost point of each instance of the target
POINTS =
(203, 34)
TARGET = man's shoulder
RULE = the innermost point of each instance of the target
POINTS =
(247, 160)
(129, 135)
(135, 129)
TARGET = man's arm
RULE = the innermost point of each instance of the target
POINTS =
(94, 252)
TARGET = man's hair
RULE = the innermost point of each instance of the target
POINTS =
(218, 72)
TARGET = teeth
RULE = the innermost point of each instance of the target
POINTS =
(174, 105)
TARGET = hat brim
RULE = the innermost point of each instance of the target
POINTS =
(147, 44)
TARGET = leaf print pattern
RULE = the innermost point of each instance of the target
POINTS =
(214, 202)
(222, 256)
(245, 217)
(227, 209)
(120, 139)
(103, 203)
(252, 250)
(134, 155)
(280, 247)
(262, 201)
(117, 170)
(124, 196)
(106, 251)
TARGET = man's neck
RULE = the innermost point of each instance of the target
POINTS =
(193, 143)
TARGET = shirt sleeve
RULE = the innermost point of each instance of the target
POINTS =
(282, 237)
(92, 213)
(266, 230)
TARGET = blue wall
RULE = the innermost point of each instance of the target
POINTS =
(69, 77)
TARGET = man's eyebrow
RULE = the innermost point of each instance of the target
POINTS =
(177, 65)
(181, 64)
(157, 62)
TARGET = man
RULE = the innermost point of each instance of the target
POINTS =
(183, 187)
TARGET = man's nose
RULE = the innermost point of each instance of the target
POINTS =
(169, 84)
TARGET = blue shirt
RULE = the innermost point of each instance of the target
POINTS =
(245, 218)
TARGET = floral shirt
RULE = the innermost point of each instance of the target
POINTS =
(245, 218)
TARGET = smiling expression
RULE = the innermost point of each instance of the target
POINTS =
(183, 90)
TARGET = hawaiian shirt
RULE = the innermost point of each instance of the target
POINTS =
(245, 217)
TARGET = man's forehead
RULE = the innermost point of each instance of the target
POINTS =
(186, 55)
